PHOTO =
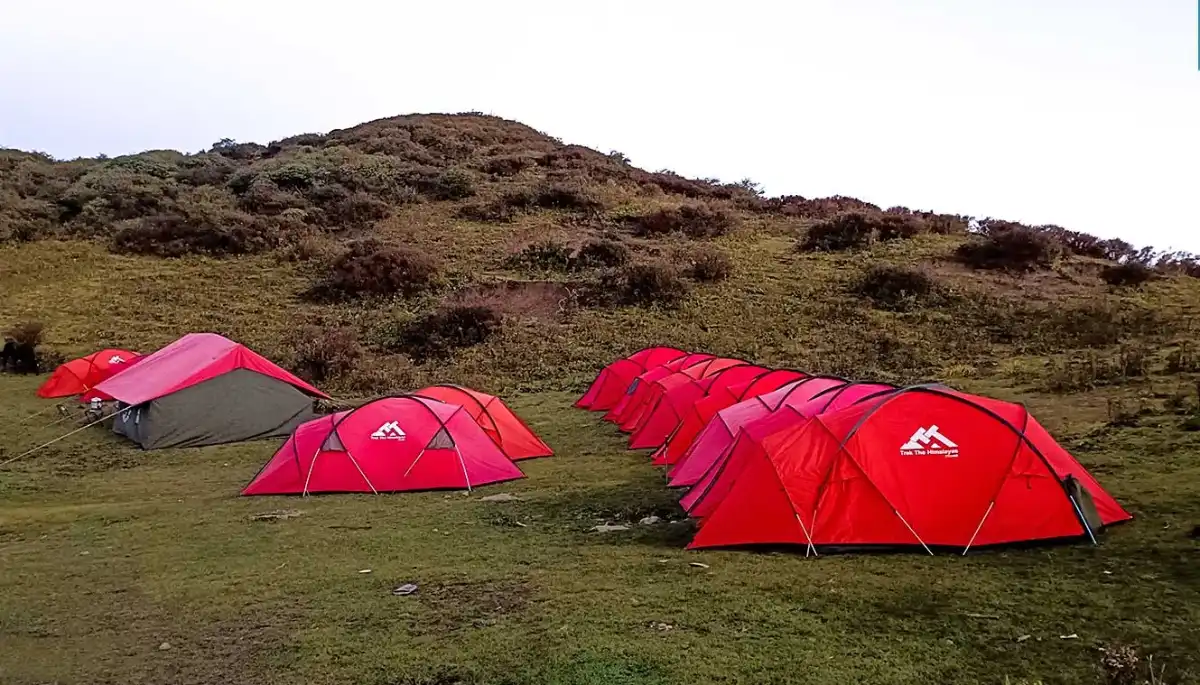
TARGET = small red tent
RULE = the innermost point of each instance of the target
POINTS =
(395, 444)
(718, 397)
(612, 382)
(635, 394)
(81, 375)
(651, 397)
(668, 411)
(516, 439)
(924, 466)
(721, 430)
(706, 491)
(631, 397)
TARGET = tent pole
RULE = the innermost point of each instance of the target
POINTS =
(360, 472)
(910, 529)
(31, 451)
(464, 467)
(978, 528)
(412, 465)
(1082, 519)
(311, 466)
(810, 542)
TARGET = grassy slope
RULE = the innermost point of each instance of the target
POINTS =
(171, 555)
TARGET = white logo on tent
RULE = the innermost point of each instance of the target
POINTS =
(929, 441)
(389, 431)
(116, 359)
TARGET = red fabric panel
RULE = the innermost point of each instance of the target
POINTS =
(666, 415)
(192, 359)
(80, 375)
(1065, 465)
(1030, 505)
(509, 432)
(755, 510)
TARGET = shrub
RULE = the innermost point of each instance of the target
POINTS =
(896, 288)
(709, 265)
(262, 196)
(642, 285)
(694, 221)
(1184, 358)
(601, 254)
(494, 211)
(507, 166)
(342, 210)
(1127, 274)
(20, 352)
(437, 335)
(545, 255)
(559, 196)
(371, 267)
(323, 353)
(1014, 248)
(183, 232)
(454, 184)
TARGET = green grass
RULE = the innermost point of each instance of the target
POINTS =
(108, 552)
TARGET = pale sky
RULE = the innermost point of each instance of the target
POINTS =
(1083, 113)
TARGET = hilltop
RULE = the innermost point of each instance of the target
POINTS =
(340, 241)
(469, 249)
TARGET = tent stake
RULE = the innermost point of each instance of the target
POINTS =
(61, 437)
(810, 542)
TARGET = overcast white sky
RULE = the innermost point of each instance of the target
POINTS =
(1084, 113)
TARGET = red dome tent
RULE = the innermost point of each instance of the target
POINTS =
(636, 393)
(81, 375)
(652, 396)
(516, 439)
(924, 466)
(395, 444)
(204, 389)
(706, 492)
(722, 429)
(669, 410)
(612, 382)
(719, 396)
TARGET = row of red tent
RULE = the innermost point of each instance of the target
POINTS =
(204, 389)
(780, 457)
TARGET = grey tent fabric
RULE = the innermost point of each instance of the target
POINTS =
(236, 406)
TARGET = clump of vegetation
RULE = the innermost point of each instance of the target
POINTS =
(857, 230)
(1095, 368)
(709, 265)
(694, 221)
(896, 288)
(544, 255)
(640, 285)
(601, 254)
(20, 352)
(1184, 358)
(509, 165)
(555, 196)
(454, 184)
(1127, 274)
(438, 334)
(1011, 248)
(322, 353)
(184, 232)
(371, 267)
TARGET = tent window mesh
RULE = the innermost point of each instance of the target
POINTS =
(441, 441)
(333, 443)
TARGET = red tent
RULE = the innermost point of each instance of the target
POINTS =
(922, 466)
(635, 394)
(612, 382)
(719, 433)
(667, 412)
(204, 389)
(516, 439)
(80, 375)
(651, 397)
(719, 396)
(707, 492)
(395, 444)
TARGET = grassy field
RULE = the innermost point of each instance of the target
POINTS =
(122, 566)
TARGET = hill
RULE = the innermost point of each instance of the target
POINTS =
(470, 249)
